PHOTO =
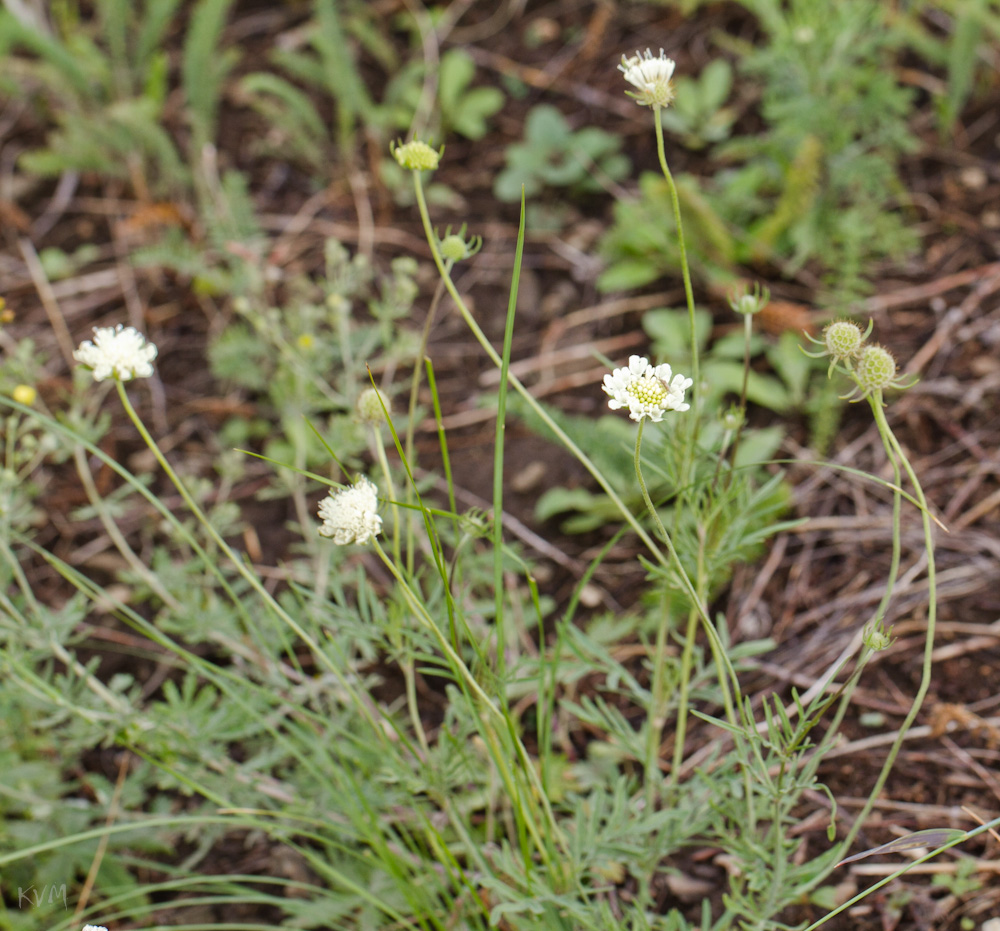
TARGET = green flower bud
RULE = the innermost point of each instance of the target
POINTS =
(456, 248)
(370, 406)
(876, 637)
(747, 302)
(453, 248)
(416, 156)
(476, 522)
(733, 417)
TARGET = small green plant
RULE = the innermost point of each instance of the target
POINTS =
(554, 155)
(962, 881)
(105, 82)
(464, 109)
(819, 185)
(962, 49)
(410, 732)
(303, 363)
(699, 116)
(323, 62)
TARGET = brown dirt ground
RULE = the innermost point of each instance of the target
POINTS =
(941, 311)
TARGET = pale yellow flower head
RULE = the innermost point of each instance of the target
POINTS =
(117, 352)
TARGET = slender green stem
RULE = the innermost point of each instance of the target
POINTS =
(659, 661)
(409, 677)
(470, 683)
(896, 453)
(637, 461)
(657, 718)
(543, 415)
(411, 422)
(499, 448)
(383, 462)
(695, 421)
(747, 333)
(241, 567)
(683, 693)
(685, 269)
(519, 387)
(111, 528)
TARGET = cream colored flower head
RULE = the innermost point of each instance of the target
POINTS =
(650, 77)
(94, 928)
(117, 352)
(373, 405)
(350, 515)
(646, 390)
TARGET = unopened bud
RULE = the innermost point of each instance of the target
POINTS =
(373, 405)
(416, 156)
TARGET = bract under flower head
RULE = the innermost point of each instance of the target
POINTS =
(350, 515)
(651, 78)
(117, 352)
(646, 390)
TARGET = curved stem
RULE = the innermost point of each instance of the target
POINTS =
(540, 411)
(657, 717)
(685, 269)
(383, 462)
(899, 457)
(241, 567)
(688, 462)
(411, 425)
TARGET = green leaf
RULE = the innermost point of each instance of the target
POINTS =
(559, 500)
(628, 275)
(670, 331)
(727, 378)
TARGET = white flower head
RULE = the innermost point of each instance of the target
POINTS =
(350, 515)
(117, 352)
(646, 390)
(651, 78)
(94, 928)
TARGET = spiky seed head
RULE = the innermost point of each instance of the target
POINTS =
(843, 339)
(876, 368)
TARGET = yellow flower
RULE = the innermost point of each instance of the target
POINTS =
(24, 394)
